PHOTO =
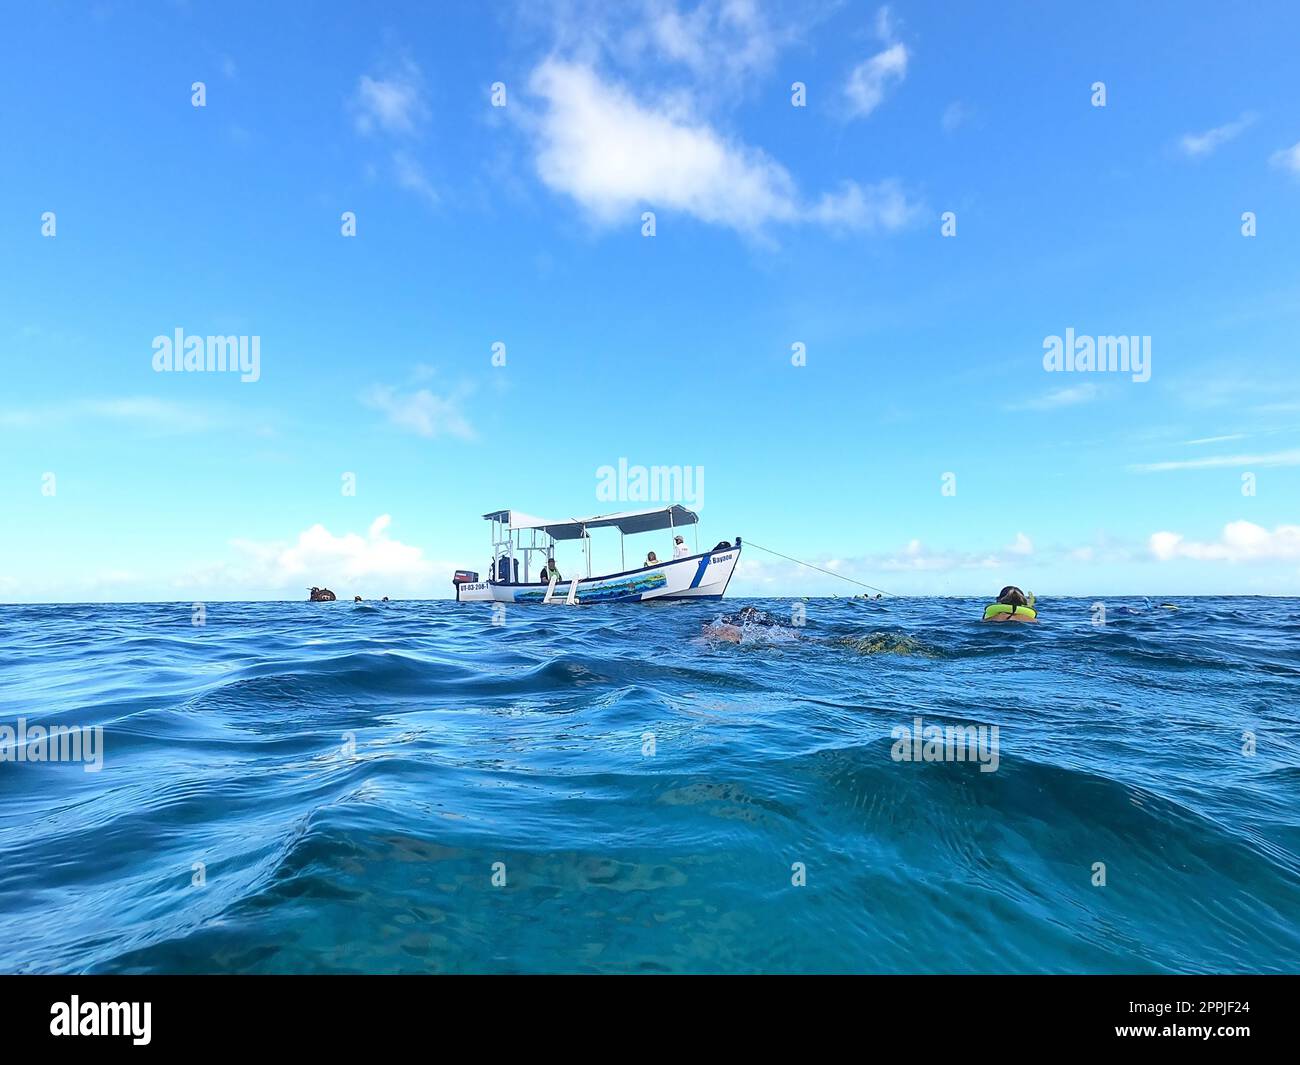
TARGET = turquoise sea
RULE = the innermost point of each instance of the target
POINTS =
(409, 787)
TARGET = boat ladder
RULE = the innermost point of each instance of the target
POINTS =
(570, 600)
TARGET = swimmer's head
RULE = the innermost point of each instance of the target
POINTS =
(1012, 596)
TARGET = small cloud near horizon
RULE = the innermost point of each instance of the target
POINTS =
(1061, 397)
(1199, 145)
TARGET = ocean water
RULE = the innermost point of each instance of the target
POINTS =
(408, 787)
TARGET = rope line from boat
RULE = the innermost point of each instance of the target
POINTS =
(819, 569)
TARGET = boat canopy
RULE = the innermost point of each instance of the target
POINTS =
(626, 522)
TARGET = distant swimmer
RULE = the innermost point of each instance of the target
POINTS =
(1012, 605)
(751, 625)
(356, 598)
(1147, 607)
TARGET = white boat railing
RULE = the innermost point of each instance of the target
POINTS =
(550, 589)
(572, 600)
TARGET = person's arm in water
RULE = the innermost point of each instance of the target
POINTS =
(730, 633)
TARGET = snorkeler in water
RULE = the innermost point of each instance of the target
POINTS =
(751, 625)
(731, 627)
(1012, 605)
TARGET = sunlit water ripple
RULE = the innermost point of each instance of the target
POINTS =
(349, 776)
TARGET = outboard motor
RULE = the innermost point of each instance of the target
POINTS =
(464, 576)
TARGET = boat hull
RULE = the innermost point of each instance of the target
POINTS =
(703, 576)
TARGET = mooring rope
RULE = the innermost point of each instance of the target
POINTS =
(829, 572)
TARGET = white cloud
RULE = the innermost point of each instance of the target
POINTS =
(1274, 458)
(1197, 145)
(916, 557)
(393, 107)
(615, 156)
(1241, 541)
(1022, 545)
(871, 78)
(342, 562)
(885, 26)
(422, 412)
(884, 205)
(392, 104)
(955, 115)
(1288, 158)
(916, 565)
(411, 176)
(718, 38)
(1061, 397)
(1214, 439)
(143, 412)
(723, 47)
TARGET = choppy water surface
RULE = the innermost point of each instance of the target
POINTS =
(350, 776)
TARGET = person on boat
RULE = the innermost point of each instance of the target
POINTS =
(680, 550)
(652, 559)
(549, 571)
(1012, 605)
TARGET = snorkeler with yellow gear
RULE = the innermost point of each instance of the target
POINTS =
(1012, 605)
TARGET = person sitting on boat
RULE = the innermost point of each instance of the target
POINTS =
(680, 550)
(549, 571)
(1012, 605)
(652, 559)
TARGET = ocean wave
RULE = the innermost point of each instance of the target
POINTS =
(350, 780)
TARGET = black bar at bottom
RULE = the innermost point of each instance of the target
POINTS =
(335, 1013)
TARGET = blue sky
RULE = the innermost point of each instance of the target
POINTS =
(774, 225)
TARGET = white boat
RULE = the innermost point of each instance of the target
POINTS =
(519, 540)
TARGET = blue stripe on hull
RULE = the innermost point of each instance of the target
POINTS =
(699, 572)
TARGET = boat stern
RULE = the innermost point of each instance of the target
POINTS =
(469, 589)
